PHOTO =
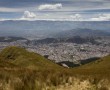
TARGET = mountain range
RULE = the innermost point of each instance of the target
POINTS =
(73, 39)
(11, 39)
(45, 29)
(82, 33)
(78, 36)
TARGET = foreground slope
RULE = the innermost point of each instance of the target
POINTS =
(23, 70)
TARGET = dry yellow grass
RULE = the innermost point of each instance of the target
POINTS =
(23, 70)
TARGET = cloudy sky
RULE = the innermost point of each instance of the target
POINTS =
(76, 10)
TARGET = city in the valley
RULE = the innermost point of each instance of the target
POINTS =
(59, 50)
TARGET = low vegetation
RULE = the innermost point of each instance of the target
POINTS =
(23, 70)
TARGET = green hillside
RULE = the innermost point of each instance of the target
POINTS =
(101, 66)
(21, 57)
(30, 68)
(23, 70)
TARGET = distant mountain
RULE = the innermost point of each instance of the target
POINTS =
(81, 39)
(47, 29)
(74, 39)
(11, 39)
(82, 33)
(47, 40)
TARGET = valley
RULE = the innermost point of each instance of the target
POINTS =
(74, 50)
(54, 44)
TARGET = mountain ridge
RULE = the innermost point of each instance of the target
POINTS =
(82, 32)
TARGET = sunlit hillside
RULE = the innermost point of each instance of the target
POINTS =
(23, 70)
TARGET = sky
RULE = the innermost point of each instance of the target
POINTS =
(70, 10)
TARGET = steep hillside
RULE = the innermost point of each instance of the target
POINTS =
(23, 70)
(21, 57)
(101, 66)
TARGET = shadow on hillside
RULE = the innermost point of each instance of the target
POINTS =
(82, 62)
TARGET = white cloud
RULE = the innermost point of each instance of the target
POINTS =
(76, 17)
(2, 19)
(5, 9)
(50, 6)
(28, 15)
(102, 17)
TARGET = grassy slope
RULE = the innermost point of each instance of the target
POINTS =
(23, 69)
(101, 66)
(21, 57)
(29, 68)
